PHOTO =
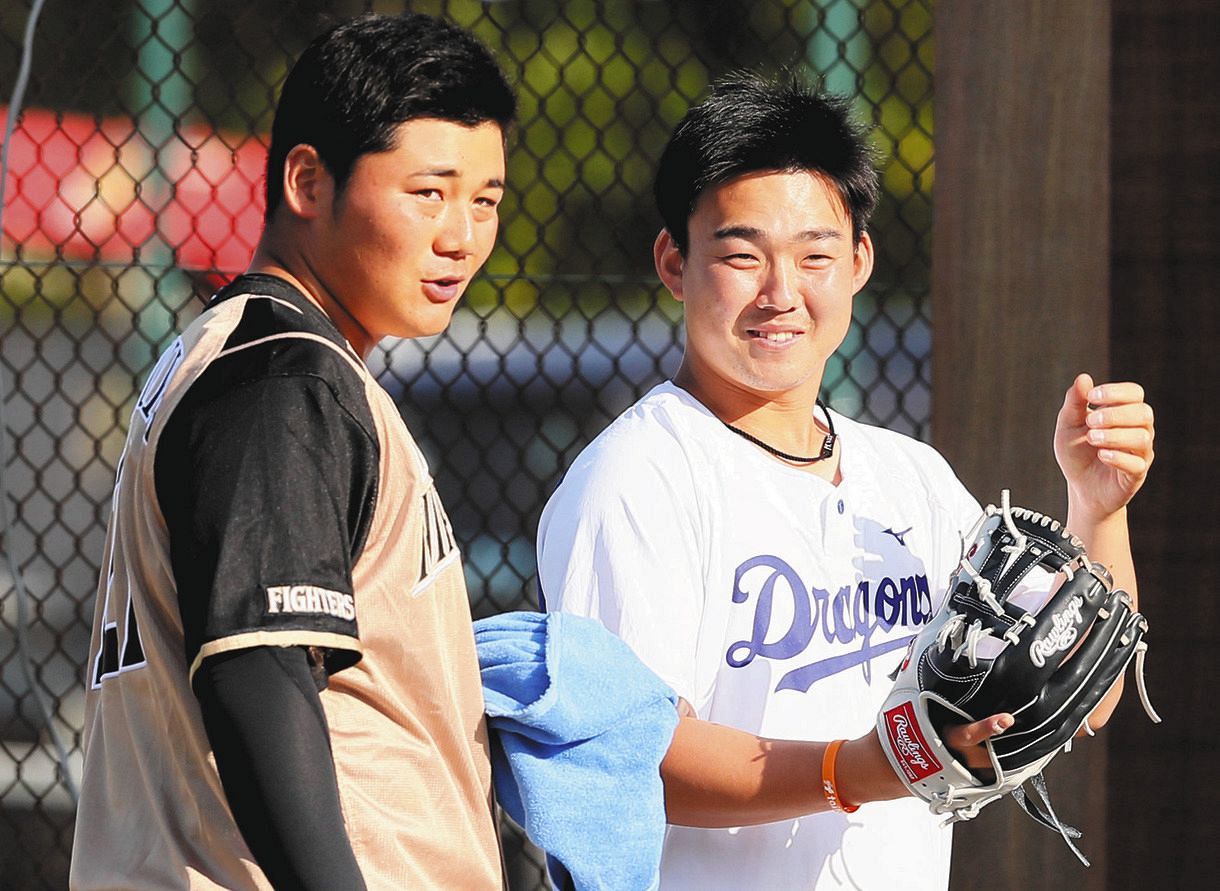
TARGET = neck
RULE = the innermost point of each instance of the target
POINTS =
(285, 260)
(825, 452)
(785, 420)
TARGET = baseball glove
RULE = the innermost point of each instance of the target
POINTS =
(1029, 627)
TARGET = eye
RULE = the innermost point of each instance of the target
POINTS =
(740, 260)
(487, 202)
(428, 194)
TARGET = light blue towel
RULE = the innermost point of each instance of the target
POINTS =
(578, 728)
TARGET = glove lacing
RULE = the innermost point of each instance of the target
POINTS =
(1140, 649)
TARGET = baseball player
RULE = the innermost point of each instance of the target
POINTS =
(282, 684)
(769, 558)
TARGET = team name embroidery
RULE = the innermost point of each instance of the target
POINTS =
(908, 743)
(851, 615)
(158, 383)
(1059, 639)
(439, 541)
(310, 599)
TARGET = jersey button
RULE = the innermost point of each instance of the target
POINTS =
(840, 505)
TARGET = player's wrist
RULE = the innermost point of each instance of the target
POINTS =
(1105, 534)
(1085, 517)
(830, 789)
(864, 774)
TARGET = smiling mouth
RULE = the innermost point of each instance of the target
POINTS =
(773, 336)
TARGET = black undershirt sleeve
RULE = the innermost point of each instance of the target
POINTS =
(267, 488)
(268, 731)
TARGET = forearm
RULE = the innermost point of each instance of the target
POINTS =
(717, 776)
(1107, 542)
(269, 736)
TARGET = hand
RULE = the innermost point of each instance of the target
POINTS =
(1103, 443)
(966, 740)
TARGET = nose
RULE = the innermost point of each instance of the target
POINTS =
(455, 237)
(778, 289)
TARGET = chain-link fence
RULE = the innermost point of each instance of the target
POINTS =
(134, 188)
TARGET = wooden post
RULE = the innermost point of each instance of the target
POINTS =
(1165, 332)
(1020, 304)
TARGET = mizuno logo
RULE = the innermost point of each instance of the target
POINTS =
(900, 537)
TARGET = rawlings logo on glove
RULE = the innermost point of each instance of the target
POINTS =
(912, 749)
(1063, 634)
(1029, 627)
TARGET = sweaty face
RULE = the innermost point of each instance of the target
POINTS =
(767, 282)
(412, 226)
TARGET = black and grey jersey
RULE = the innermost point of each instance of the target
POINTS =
(267, 475)
(270, 494)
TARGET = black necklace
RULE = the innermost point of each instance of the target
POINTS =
(828, 444)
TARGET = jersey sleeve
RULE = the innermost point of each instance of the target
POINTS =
(957, 512)
(619, 542)
(267, 489)
(963, 507)
(271, 742)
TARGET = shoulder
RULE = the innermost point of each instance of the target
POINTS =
(628, 519)
(264, 373)
(899, 462)
(642, 471)
(271, 330)
(883, 442)
(651, 442)
(266, 343)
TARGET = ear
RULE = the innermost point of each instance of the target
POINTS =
(308, 185)
(669, 262)
(862, 263)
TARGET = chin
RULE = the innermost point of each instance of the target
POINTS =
(431, 326)
(773, 388)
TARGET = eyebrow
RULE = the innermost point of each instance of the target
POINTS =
(494, 183)
(752, 233)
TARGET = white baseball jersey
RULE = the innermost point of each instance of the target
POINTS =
(774, 602)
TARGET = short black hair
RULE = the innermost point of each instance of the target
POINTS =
(354, 84)
(750, 123)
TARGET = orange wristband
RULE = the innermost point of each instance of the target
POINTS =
(828, 780)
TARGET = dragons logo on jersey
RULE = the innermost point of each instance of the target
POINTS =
(847, 625)
(852, 616)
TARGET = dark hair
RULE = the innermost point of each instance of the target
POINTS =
(354, 84)
(750, 123)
